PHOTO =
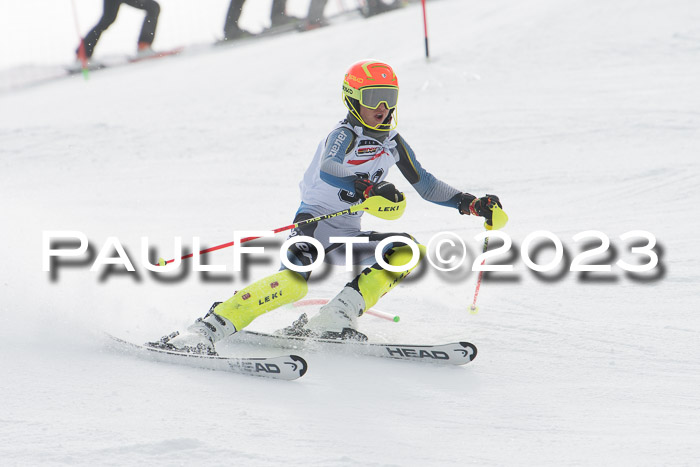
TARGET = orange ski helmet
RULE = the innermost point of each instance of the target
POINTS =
(371, 83)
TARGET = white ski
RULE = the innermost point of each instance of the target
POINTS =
(288, 367)
(455, 353)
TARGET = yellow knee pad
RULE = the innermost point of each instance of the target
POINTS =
(262, 296)
(374, 282)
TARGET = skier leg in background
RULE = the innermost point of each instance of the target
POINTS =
(231, 29)
(109, 15)
(350, 165)
(278, 14)
(375, 7)
(150, 22)
(314, 18)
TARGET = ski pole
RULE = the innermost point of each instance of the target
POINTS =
(383, 315)
(473, 308)
(498, 220)
(376, 205)
(371, 311)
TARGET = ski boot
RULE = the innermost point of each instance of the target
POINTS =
(199, 337)
(337, 319)
(144, 50)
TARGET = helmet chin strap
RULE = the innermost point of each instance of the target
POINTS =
(387, 120)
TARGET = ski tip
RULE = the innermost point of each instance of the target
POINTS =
(470, 349)
(302, 362)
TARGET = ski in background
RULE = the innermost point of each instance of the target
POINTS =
(156, 54)
(120, 60)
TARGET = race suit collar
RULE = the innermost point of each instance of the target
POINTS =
(376, 134)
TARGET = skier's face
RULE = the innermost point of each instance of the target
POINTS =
(374, 117)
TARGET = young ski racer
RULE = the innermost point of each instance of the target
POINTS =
(350, 166)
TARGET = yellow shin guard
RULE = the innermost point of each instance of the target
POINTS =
(374, 282)
(262, 296)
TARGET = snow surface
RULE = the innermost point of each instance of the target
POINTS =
(580, 115)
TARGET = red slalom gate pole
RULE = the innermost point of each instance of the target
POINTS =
(81, 49)
(425, 30)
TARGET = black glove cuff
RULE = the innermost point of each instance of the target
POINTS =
(464, 202)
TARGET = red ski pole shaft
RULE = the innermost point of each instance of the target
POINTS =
(248, 239)
(371, 311)
(375, 205)
(473, 307)
(498, 221)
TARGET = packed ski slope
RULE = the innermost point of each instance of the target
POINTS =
(580, 115)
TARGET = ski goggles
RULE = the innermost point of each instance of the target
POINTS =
(373, 97)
